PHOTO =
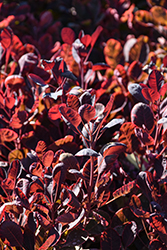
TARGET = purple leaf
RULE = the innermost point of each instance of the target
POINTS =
(129, 233)
(142, 114)
(110, 239)
(12, 232)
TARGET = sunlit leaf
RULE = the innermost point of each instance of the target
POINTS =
(73, 102)
(125, 189)
(8, 135)
(87, 152)
(47, 158)
(71, 115)
(87, 112)
(67, 35)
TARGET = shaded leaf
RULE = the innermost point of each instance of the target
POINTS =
(95, 35)
(141, 114)
(12, 232)
(136, 91)
(129, 233)
(125, 189)
(110, 239)
(155, 244)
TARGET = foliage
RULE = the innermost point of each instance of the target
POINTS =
(83, 132)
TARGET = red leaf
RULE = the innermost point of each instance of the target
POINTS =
(150, 94)
(67, 35)
(87, 112)
(14, 169)
(14, 81)
(100, 66)
(18, 119)
(135, 70)
(155, 80)
(73, 102)
(95, 35)
(48, 242)
(48, 65)
(38, 80)
(110, 239)
(40, 149)
(8, 135)
(86, 40)
(163, 90)
(48, 158)
(157, 223)
(71, 115)
(54, 113)
(6, 38)
(21, 198)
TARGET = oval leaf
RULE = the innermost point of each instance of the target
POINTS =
(67, 35)
(87, 112)
(87, 152)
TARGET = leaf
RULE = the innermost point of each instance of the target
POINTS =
(157, 223)
(155, 244)
(73, 102)
(36, 168)
(144, 185)
(76, 237)
(48, 65)
(108, 106)
(71, 115)
(150, 94)
(75, 223)
(18, 119)
(113, 123)
(113, 53)
(125, 189)
(12, 232)
(7, 134)
(100, 66)
(14, 82)
(110, 240)
(69, 160)
(87, 112)
(67, 35)
(136, 91)
(128, 137)
(57, 231)
(48, 242)
(40, 149)
(129, 233)
(48, 158)
(155, 80)
(163, 90)
(135, 70)
(8, 185)
(37, 80)
(144, 137)
(159, 15)
(21, 198)
(54, 113)
(112, 148)
(141, 114)
(87, 152)
(66, 218)
(95, 35)
(14, 169)
(15, 154)
(6, 38)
